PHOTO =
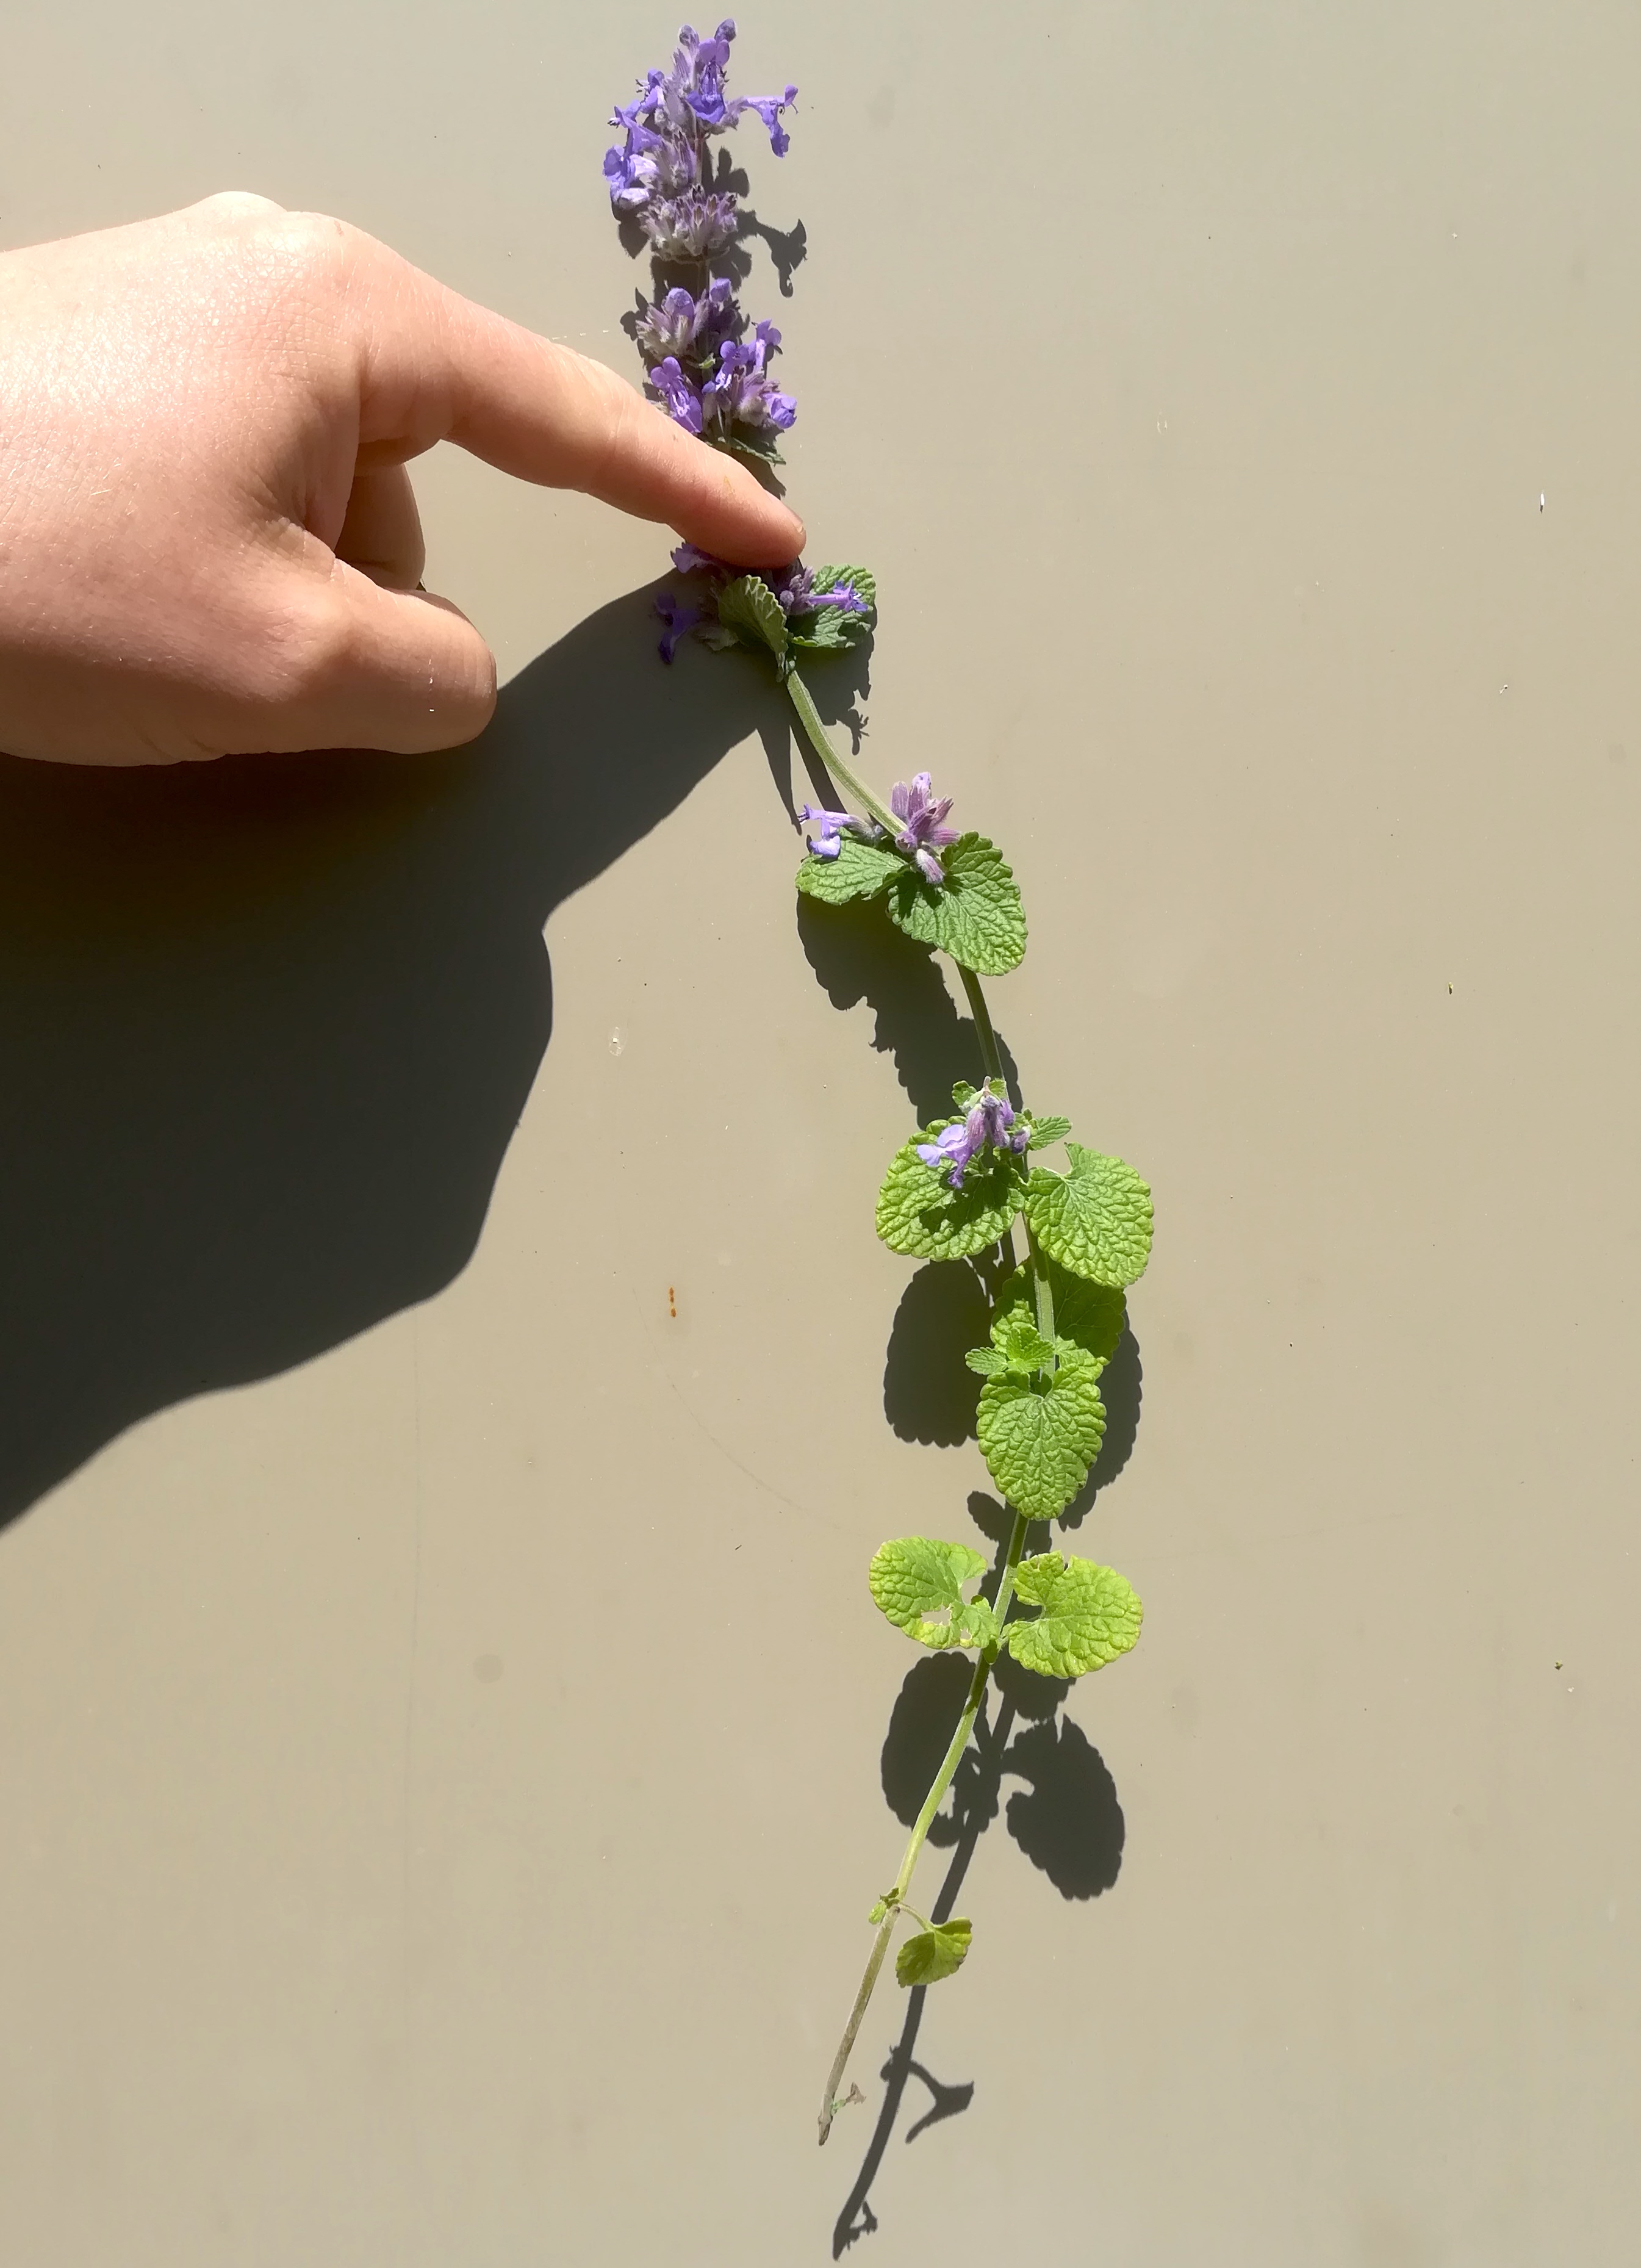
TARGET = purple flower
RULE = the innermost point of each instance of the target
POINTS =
(769, 109)
(827, 840)
(690, 559)
(742, 393)
(692, 226)
(679, 620)
(649, 166)
(924, 817)
(990, 1118)
(681, 325)
(795, 588)
(678, 393)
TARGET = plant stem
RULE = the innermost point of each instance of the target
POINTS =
(815, 732)
(809, 717)
(933, 1801)
(989, 1053)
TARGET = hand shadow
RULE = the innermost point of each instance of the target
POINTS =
(268, 1026)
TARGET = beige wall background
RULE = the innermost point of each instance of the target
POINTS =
(440, 1707)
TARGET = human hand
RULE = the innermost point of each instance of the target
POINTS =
(208, 538)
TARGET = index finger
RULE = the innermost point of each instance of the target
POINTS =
(439, 367)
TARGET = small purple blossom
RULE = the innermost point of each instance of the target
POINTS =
(681, 326)
(678, 393)
(769, 109)
(925, 829)
(690, 559)
(827, 840)
(677, 619)
(742, 393)
(693, 227)
(646, 167)
(795, 587)
(990, 1118)
(740, 398)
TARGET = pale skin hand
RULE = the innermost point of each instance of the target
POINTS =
(208, 539)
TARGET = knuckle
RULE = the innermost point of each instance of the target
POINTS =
(239, 205)
(304, 655)
(311, 246)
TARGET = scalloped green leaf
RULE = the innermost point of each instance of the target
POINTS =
(1046, 1130)
(743, 442)
(920, 1214)
(751, 609)
(1091, 1315)
(1039, 1436)
(1021, 1344)
(1095, 1220)
(829, 630)
(975, 915)
(860, 870)
(933, 1952)
(914, 1577)
(1089, 1616)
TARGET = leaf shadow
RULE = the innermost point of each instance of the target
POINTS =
(1068, 1822)
(930, 1394)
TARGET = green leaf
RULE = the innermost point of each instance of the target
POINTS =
(828, 630)
(1091, 1315)
(751, 609)
(1040, 1436)
(986, 1361)
(860, 870)
(933, 1954)
(1090, 1615)
(1021, 1343)
(743, 444)
(1094, 1221)
(975, 915)
(920, 1214)
(1044, 1130)
(914, 1577)
(963, 1095)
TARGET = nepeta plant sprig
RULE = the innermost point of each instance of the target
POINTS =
(1055, 1252)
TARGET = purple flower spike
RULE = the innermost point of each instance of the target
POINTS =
(988, 1119)
(925, 830)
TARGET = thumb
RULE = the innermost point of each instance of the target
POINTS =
(398, 670)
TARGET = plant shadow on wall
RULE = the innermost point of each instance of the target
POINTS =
(268, 1026)
(1064, 1812)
